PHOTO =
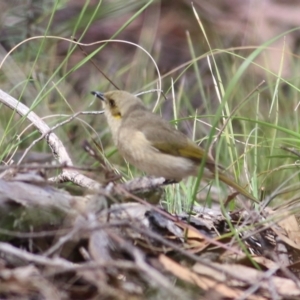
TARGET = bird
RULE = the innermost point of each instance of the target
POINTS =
(153, 145)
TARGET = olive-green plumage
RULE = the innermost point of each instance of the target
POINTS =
(152, 145)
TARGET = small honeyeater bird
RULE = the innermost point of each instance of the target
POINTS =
(151, 144)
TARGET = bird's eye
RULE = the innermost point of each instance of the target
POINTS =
(112, 103)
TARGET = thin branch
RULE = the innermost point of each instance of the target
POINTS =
(55, 144)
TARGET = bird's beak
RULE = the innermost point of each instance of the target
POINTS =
(98, 95)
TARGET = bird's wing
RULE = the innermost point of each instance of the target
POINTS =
(170, 141)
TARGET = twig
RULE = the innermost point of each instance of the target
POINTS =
(94, 64)
(291, 150)
(53, 141)
(155, 276)
(55, 127)
(38, 259)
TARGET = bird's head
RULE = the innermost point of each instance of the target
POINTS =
(118, 104)
(118, 107)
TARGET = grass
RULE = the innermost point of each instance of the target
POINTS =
(208, 90)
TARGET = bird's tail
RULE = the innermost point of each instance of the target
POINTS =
(225, 178)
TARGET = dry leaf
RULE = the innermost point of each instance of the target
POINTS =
(201, 281)
(282, 286)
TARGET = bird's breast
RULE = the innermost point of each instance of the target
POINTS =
(137, 150)
(114, 125)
